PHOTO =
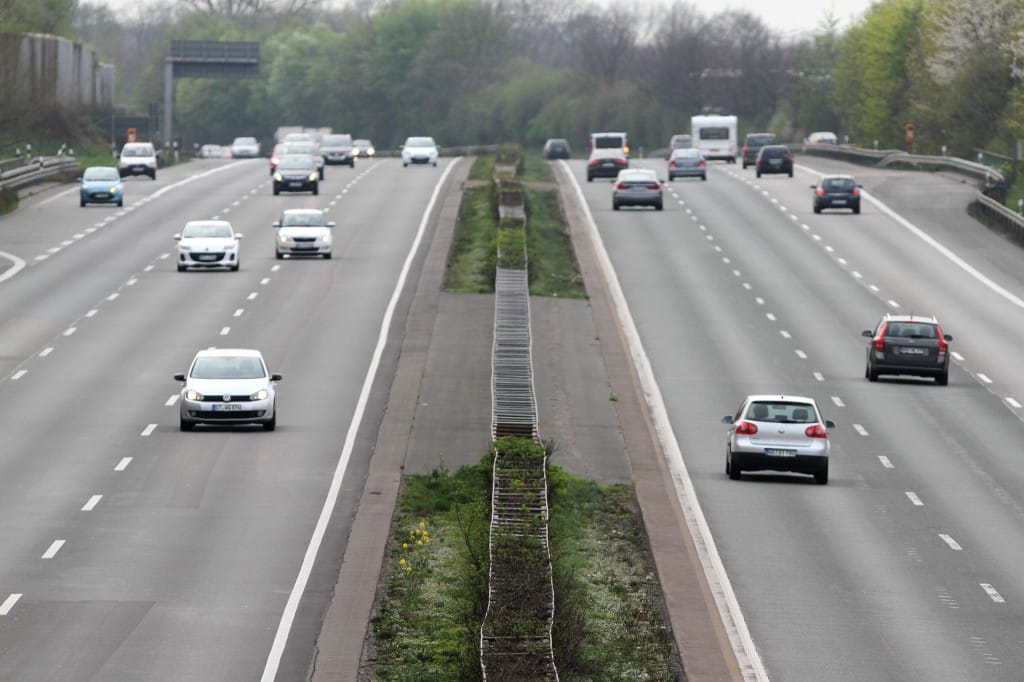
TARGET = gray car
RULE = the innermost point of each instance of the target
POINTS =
(908, 344)
(777, 433)
(637, 187)
(228, 386)
(303, 232)
(687, 163)
(338, 149)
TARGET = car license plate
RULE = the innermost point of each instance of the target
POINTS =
(608, 164)
(775, 162)
(779, 452)
(304, 247)
(839, 202)
(295, 183)
(206, 257)
(907, 350)
(226, 407)
(101, 195)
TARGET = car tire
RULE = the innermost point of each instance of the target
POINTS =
(942, 379)
(316, 189)
(658, 206)
(321, 174)
(817, 209)
(821, 477)
(671, 178)
(182, 268)
(234, 268)
(758, 173)
(615, 206)
(82, 202)
(590, 178)
(186, 425)
(856, 209)
(732, 468)
(405, 165)
(327, 256)
(704, 178)
(120, 204)
(276, 190)
(870, 373)
(272, 424)
(279, 255)
(790, 173)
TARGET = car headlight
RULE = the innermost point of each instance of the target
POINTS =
(192, 394)
(313, 177)
(230, 247)
(184, 247)
(284, 238)
(327, 238)
(115, 189)
(261, 394)
(370, 151)
(278, 177)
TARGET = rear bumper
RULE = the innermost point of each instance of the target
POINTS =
(804, 464)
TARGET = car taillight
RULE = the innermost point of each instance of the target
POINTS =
(672, 164)
(820, 192)
(816, 431)
(744, 149)
(856, 192)
(880, 339)
(746, 428)
(621, 162)
(595, 162)
(702, 164)
(654, 186)
(622, 185)
(943, 346)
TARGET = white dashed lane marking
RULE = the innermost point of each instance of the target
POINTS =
(148, 431)
(53, 549)
(992, 593)
(953, 544)
(914, 499)
(19, 374)
(9, 603)
(885, 462)
(861, 430)
(91, 504)
(123, 464)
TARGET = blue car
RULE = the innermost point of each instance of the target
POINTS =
(101, 185)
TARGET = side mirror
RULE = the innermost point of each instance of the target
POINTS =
(238, 235)
(727, 419)
(276, 377)
(814, 187)
(829, 424)
(276, 223)
(947, 337)
(78, 179)
(867, 333)
(331, 223)
(179, 377)
(177, 236)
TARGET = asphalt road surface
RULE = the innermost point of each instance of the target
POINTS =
(906, 566)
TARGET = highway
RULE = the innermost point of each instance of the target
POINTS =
(906, 566)
(130, 550)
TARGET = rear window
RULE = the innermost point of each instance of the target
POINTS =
(774, 152)
(783, 412)
(760, 140)
(838, 184)
(911, 330)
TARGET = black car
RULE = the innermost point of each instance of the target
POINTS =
(338, 149)
(557, 148)
(836, 191)
(908, 344)
(606, 163)
(297, 173)
(774, 158)
(752, 145)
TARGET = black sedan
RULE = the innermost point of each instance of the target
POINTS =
(297, 173)
(836, 191)
(606, 163)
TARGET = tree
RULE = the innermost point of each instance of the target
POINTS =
(53, 17)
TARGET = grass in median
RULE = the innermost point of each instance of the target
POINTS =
(553, 267)
(473, 256)
(609, 622)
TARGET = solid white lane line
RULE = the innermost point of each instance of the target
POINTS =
(886, 462)
(800, 354)
(818, 376)
(914, 499)
(123, 464)
(91, 504)
(173, 399)
(9, 603)
(861, 430)
(54, 548)
(953, 544)
(19, 374)
(148, 431)
(992, 593)
(238, 313)
(984, 378)
(1012, 403)
(46, 351)
(838, 401)
(225, 331)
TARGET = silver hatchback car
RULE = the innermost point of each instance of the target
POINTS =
(777, 433)
(228, 386)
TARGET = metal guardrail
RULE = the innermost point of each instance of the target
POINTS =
(33, 170)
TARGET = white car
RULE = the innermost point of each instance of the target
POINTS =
(777, 433)
(419, 150)
(245, 148)
(228, 386)
(137, 158)
(208, 244)
(303, 232)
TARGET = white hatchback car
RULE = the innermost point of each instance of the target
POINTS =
(137, 158)
(303, 232)
(245, 148)
(228, 386)
(208, 244)
(777, 433)
(420, 150)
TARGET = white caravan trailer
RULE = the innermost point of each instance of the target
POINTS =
(715, 136)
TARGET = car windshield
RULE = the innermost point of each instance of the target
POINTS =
(142, 150)
(228, 367)
(303, 219)
(245, 140)
(336, 141)
(838, 184)
(361, 143)
(100, 173)
(420, 142)
(207, 231)
(296, 162)
(783, 412)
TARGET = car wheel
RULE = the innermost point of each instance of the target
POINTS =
(704, 178)
(758, 173)
(186, 425)
(272, 424)
(733, 468)
(152, 176)
(790, 173)
(316, 189)
(276, 190)
(327, 256)
(871, 373)
(745, 166)
(821, 477)
(615, 206)
(321, 175)
(278, 255)
(590, 178)
(404, 164)
(671, 178)
(856, 209)
(817, 209)
(234, 268)
(942, 379)
(120, 204)
(658, 206)
(182, 268)
(82, 202)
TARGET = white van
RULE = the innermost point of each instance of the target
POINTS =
(609, 141)
(715, 136)
(137, 158)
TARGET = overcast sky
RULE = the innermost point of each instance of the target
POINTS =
(790, 17)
